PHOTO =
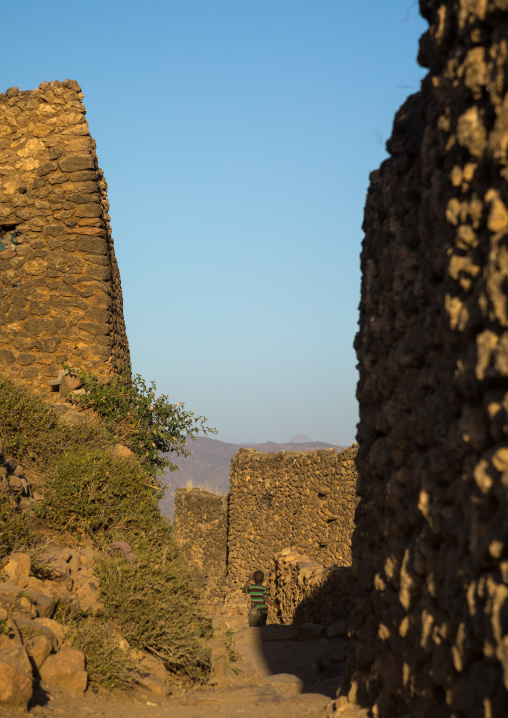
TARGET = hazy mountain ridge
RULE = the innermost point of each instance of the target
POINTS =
(209, 465)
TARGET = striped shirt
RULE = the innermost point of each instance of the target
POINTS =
(257, 595)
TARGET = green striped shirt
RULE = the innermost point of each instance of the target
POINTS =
(257, 595)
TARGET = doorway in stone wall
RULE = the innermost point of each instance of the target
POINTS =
(7, 241)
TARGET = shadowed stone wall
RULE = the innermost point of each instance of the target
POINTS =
(201, 532)
(60, 287)
(309, 592)
(305, 500)
(430, 550)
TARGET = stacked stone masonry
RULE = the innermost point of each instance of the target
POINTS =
(201, 533)
(59, 282)
(303, 500)
(430, 551)
(308, 592)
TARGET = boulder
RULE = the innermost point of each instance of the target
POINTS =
(121, 450)
(36, 584)
(56, 561)
(284, 684)
(88, 556)
(11, 636)
(65, 671)
(45, 605)
(271, 632)
(57, 631)
(70, 382)
(17, 656)
(73, 417)
(19, 483)
(18, 567)
(222, 673)
(16, 686)
(154, 684)
(150, 664)
(151, 673)
(337, 630)
(38, 648)
(311, 631)
(39, 641)
(15, 600)
(74, 563)
(88, 595)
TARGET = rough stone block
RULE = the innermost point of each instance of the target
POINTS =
(45, 605)
(76, 163)
(18, 566)
(13, 598)
(58, 630)
(311, 632)
(16, 686)
(70, 382)
(65, 671)
(337, 630)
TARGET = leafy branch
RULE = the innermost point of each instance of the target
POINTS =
(147, 424)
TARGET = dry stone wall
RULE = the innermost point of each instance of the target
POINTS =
(201, 533)
(60, 287)
(309, 592)
(430, 551)
(304, 500)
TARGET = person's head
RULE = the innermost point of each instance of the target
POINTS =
(259, 577)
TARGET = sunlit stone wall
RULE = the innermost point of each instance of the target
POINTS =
(200, 528)
(303, 500)
(60, 293)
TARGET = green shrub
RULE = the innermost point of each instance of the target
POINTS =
(148, 424)
(32, 433)
(155, 605)
(15, 531)
(90, 491)
(94, 492)
(108, 666)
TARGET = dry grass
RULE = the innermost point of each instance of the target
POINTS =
(191, 486)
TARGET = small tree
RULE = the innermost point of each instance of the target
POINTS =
(146, 423)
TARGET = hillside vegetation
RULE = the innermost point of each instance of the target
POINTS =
(88, 494)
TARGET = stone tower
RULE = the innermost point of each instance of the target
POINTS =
(60, 292)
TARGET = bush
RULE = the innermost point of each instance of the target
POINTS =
(95, 493)
(107, 665)
(148, 424)
(15, 531)
(155, 605)
(89, 491)
(31, 431)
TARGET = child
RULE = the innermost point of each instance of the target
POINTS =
(259, 598)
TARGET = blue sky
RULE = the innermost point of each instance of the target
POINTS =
(237, 138)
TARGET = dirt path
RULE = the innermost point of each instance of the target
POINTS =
(279, 677)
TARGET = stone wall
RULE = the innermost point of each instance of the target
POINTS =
(59, 282)
(305, 500)
(309, 592)
(430, 551)
(201, 532)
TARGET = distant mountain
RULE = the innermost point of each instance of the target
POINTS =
(209, 465)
